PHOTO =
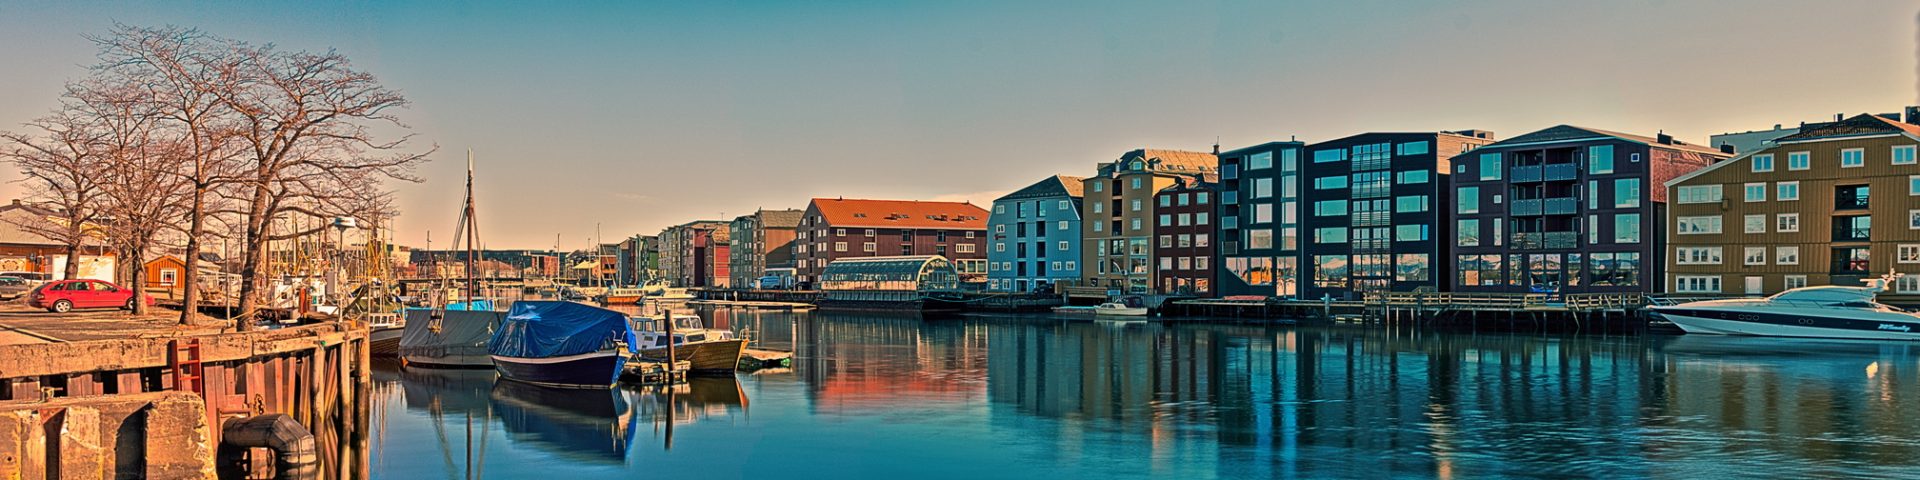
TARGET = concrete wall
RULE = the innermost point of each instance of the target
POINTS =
(160, 435)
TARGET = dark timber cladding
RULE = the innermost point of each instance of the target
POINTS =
(1258, 227)
(1374, 218)
(1184, 230)
(1566, 209)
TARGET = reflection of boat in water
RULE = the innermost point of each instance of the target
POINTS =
(691, 402)
(1795, 351)
(1808, 312)
(588, 425)
(438, 390)
(562, 344)
(707, 350)
(449, 338)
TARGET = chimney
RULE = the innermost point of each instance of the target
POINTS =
(1663, 138)
(1216, 148)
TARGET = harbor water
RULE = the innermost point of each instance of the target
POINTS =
(872, 396)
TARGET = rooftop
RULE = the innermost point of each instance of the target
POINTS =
(1563, 133)
(1057, 185)
(853, 212)
(1858, 125)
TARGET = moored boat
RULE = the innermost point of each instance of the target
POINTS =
(448, 338)
(383, 334)
(1807, 312)
(1117, 309)
(561, 344)
(623, 296)
(706, 350)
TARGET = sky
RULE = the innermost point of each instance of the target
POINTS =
(623, 118)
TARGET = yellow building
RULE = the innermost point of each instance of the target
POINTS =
(1117, 229)
(1833, 204)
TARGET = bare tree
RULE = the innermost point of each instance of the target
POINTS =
(185, 74)
(140, 193)
(60, 162)
(308, 123)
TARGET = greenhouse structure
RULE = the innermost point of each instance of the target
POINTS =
(888, 279)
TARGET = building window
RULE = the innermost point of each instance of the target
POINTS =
(1907, 284)
(1136, 203)
(1756, 192)
(169, 276)
(1064, 226)
(1763, 162)
(1200, 240)
(999, 209)
(1166, 200)
(1469, 200)
(1600, 159)
(1410, 233)
(1700, 225)
(869, 247)
(1335, 208)
(1331, 155)
(1330, 235)
(1000, 247)
(1903, 154)
(1136, 224)
(1098, 185)
(1913, 219)
(1183, 219)
(1697, 284)
(1071, 266)
(839, 246)
(1853, 157)
(1699, 194)
(1469, 232)
(1755, 256)
(1099, 226)
(1166, 219)
(1259, 238)
(1490, 166)
(1756, 223)
(1411, 177)
(1330, 183)
(1788, 255)
(1798, 281)
(1626, 192)
(1260, 160)
(1262, 188)
(1626, 228)
(1136, 183)
(957, 248)
(1166, 241)
(1913, 185)
(1263, 213)
(1064, 246)
(1907, 254)
(969, 234)
(1787, 222)
(1200, 263)
(1410, 204)
(1788, 191)
(1697, 255)
(1200, 218)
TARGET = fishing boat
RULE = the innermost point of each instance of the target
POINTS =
(623, 296)
(561, 344)
(1808, 312)
(448, 338)
(384, 331)
(706, 350)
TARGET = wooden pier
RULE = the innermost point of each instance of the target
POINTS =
(645, 372)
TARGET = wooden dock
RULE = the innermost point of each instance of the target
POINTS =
(648, 372)
(756, 359)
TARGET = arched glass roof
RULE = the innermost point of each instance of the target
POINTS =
(918, 273)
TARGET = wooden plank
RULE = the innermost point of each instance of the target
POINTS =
(127, 381)
(82, 384)
(26, 389)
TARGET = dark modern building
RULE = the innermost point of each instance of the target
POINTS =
(1258, 227)
(1566, 209)
(1372, 212)
(1183, 232)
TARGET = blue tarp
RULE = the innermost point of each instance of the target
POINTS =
(543, 329)
(473, 305)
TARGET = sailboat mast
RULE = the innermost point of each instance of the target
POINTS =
(472, 227)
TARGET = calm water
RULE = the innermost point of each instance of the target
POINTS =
(1032, 397)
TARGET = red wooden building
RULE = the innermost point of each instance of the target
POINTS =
(835, 228)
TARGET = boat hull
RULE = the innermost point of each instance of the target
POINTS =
(705, 357)
(385, 341)
(1121, 312)
(622, 300)
(588, 370)
(1729, 322)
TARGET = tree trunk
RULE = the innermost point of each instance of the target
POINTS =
(254, 246)
(190, 279)
(73, 260)
(137, 276)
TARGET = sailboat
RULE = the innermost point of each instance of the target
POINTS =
(455, 336)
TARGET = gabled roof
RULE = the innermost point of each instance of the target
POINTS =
(1562, 133)
(1166, 161)
(849, 212)
(13, 216)
(781, 218)
(1054, 186)
(1858, 125)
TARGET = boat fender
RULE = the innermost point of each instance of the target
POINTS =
(293, 446)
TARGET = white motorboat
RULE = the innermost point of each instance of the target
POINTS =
(1808, 312)
(706, 349)
(1117, 309)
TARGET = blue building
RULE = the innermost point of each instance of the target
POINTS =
(1034, 236)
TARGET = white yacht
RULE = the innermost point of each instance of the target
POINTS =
(1808, 312)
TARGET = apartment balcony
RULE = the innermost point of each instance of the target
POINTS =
(1545, 240)
(1556, 172)
(1545, 206)
(1524, 174)
(1848, 233)
(1552, 172)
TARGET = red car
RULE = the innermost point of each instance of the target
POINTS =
(65, 295)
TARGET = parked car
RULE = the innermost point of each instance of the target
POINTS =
(13, 287)
(33, 279)
(66, 295)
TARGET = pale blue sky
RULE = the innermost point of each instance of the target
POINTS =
(639, 115)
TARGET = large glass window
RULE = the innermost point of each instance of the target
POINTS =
(1468, 231)
(1329, 183)
(1481, 270)
(1259, 238)
(1469, 200)
(1412, 148)
(1329, 155)
(1410, 233)
(1699, 194)
(1263, 213)
(1260, 160)
(1410, 204)
(1787, 191)
(1698, 225)
(1412, 267)
(1330, 271)
(1626, 192)
(1600, 159)
(1412, 177)
(1330, 235)
(1626, 228)
(1330, 208)
(1490, 166)
(1262, 187)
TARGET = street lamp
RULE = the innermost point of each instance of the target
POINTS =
(340, 224)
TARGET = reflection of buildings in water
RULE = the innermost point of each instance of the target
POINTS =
(589, 425)
(764, 329)
(1825, 400)
(701, 399)
(873, 361)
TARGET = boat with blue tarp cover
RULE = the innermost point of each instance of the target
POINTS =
(562, 344)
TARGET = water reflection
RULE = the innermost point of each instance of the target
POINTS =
(1033, 397)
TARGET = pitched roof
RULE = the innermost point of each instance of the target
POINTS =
(781, 218)
(849, 212)
(1057, 185)
(1858, 125)
(1569, 132)
(17, 214)
(1167, 161)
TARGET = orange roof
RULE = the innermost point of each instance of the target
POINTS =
(846, 212)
